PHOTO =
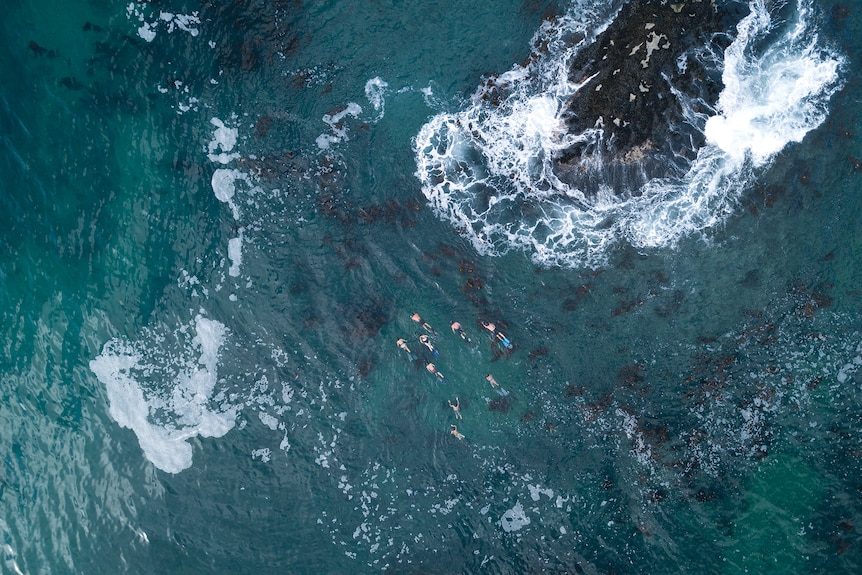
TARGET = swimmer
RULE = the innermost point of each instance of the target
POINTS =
(497, 334)
(456, 407)
(456, 328)
(456, 433)
(500, 391)
(433, 369)
(403, 345)
(418, 319)
(427, 343)
(504, 340)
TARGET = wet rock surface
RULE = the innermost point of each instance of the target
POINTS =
(627, 73)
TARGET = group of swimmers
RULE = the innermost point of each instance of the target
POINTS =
(425, 339)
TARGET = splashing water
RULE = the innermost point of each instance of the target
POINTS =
(489, 169)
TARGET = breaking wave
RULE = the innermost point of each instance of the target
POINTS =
(491, 169)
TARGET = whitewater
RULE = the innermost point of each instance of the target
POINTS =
(489, 171)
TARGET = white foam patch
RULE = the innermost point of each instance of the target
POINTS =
(147, 31)
(224, 140)
(375, 91)
(234, 252)
(337, 127)
(536, 491)
(850, 367)
(224, 187)
(514, 519)
(167, 410)
(225, 182)
(149, 25)
(264, 454)
(489, 169)
(782, 98)
(392, 519)
(185, 101)
(184, 22)
(640, 448)
(430, 99)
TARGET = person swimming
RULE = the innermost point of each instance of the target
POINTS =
(497, 334)
(427, 327)
(456, 433)
(456, 407)
(426, 341)
(500, 391)
(433, 369)
(456, 328)
(504, 340)
(402, 343)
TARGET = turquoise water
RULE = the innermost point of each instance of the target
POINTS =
(200, 372)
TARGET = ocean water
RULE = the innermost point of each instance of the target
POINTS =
(219, 217)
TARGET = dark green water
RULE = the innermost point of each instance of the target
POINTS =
(691, 409)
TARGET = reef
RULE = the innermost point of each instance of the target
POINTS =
(627, 77)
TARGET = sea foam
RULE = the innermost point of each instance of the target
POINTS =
(224, 183)
(375, 91)
(147, 30)
(166, 399)
(489, 169)
(336, 124)
(773, 97)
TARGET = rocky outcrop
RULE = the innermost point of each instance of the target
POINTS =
(627, 73)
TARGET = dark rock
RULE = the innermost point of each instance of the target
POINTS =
(40, 51)
(262, 126)
(540, 351)
(631, 375)
(501, 404)
(574, 390)
(474, 283)
(364, 366)
(626, 76)
(671, 305)
(840, 13)
(627, 306)
(447, 251)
